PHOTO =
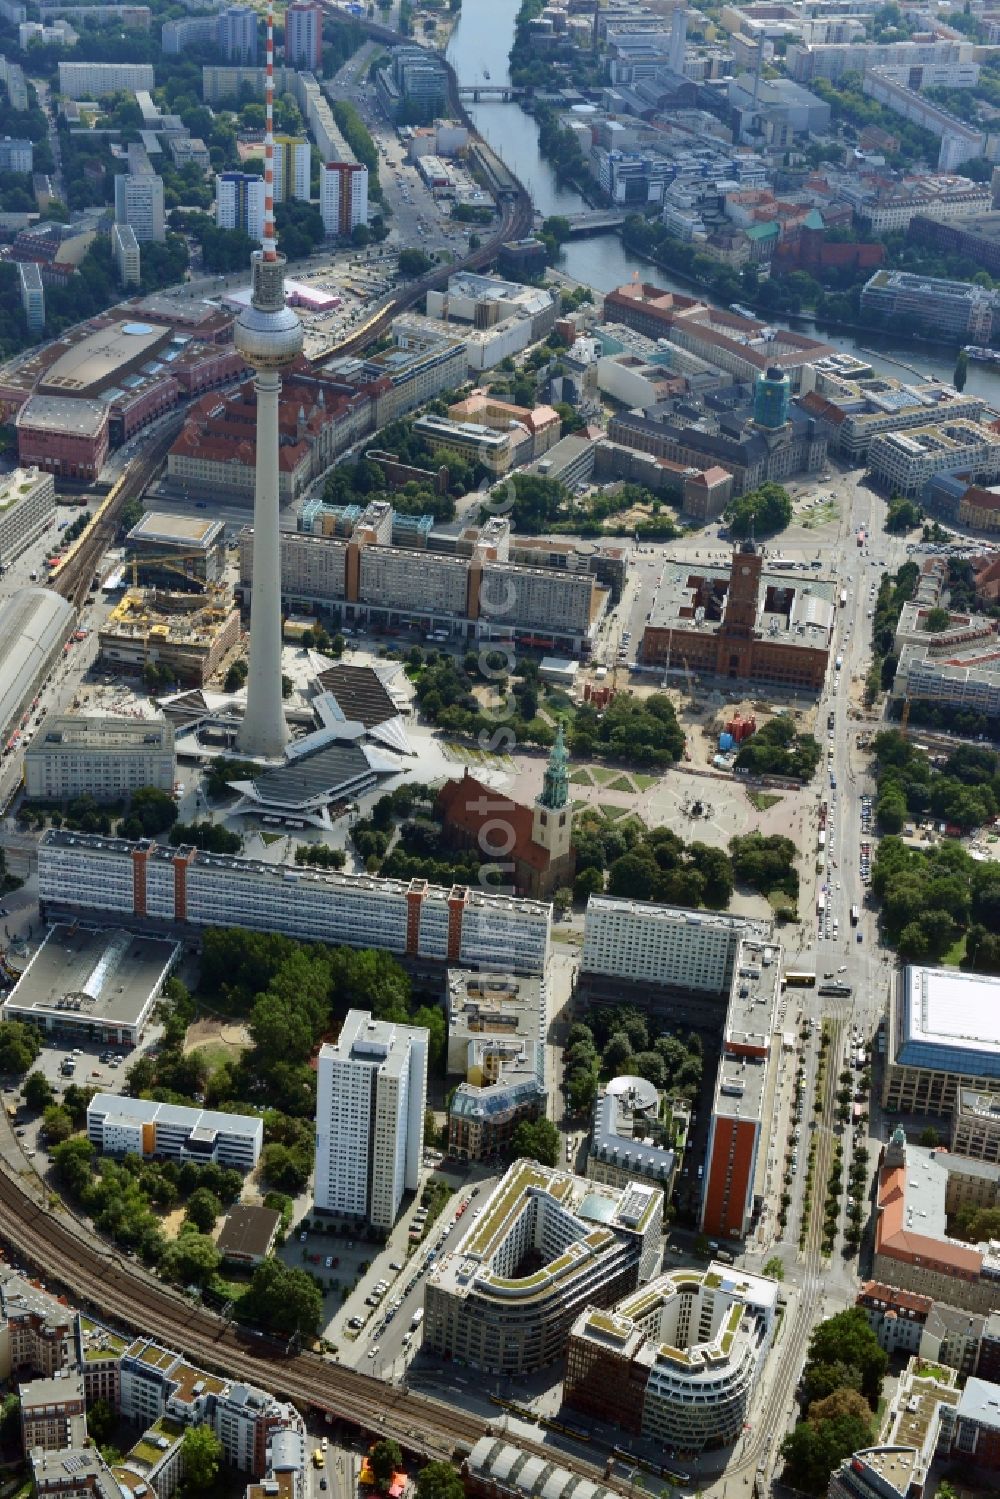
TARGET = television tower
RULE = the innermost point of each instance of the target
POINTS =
(269, 336)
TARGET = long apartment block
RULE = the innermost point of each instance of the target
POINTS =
(470, 595)
(145, 881)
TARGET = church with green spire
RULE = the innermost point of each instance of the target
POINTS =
(537, 841)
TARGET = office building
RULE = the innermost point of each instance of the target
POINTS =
(943, 1037)
(854, 407)
(495, 451)
(591, 1245)
(53, 1411)
(16, 155)
(239, 203)
(976, 238)
(82, 872)
(105, 758)
(424, 360)
(904, 462)
(975, 1125)
(38, 1332)
(168, 549)
(919, 1191)
(421, 80)
(32, 297)
(628, 1139)
(139, 1126)
(497, 1025)
(236, 34)
(745, 347)
(292, 168)
(93, 80)
(371, 1092)
(884, 206)
(98, 983)
(343, 196)
(304, 36)
(957, 308)
(678, 1360)
(139, 204)
(127, 255)
(966, 677)
(27, 508)
(73, 1473)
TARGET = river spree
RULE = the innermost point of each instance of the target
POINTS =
(480, 44)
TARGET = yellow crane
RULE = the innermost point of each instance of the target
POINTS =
(170, 564)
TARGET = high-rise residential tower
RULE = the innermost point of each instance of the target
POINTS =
(269, 336)
(371, 1090)
(304, 35)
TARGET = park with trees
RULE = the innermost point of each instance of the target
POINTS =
(961, 789)
(607, 1042)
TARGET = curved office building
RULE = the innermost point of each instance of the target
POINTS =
(678, 1359)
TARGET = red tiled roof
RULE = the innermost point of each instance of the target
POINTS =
(874, 1290)
(892, 1238)
(469, 805)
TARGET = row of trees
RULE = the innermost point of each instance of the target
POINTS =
(634, 731)
(760, 512)
(893, 593)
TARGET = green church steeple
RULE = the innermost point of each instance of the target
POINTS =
(555, 788)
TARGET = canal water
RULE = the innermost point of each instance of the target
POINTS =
(479, 45)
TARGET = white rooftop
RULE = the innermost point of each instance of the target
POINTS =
(948, 1016)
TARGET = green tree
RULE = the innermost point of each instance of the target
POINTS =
(936, 620)
(536, 1139)
(439, 1480)
(203, 1208)
(588, 882)
(774, 1268)
(101, 1421)
(961, 371)
(582, 1092)
(814, 1449)
(847, 1338)
(19, 1046)
(38, 1092)
(201, 1458)
(385, 1459)
(57, 1124)
(192, 1259)
(763, 511)
(283, 1299)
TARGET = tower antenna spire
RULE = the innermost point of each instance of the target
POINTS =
(268, 247)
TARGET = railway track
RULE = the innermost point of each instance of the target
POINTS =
(72, 580)
(98, 1281)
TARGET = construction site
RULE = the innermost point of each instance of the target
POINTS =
(186, 634)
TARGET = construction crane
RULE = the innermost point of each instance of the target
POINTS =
(170, 564)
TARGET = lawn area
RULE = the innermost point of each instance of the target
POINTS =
(611, 812)
(581, 777)
(955, 955)
(643, 781)
(621, 783)
(762, 800)
(602, 775)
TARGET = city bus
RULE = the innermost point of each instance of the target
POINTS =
(799, 979)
